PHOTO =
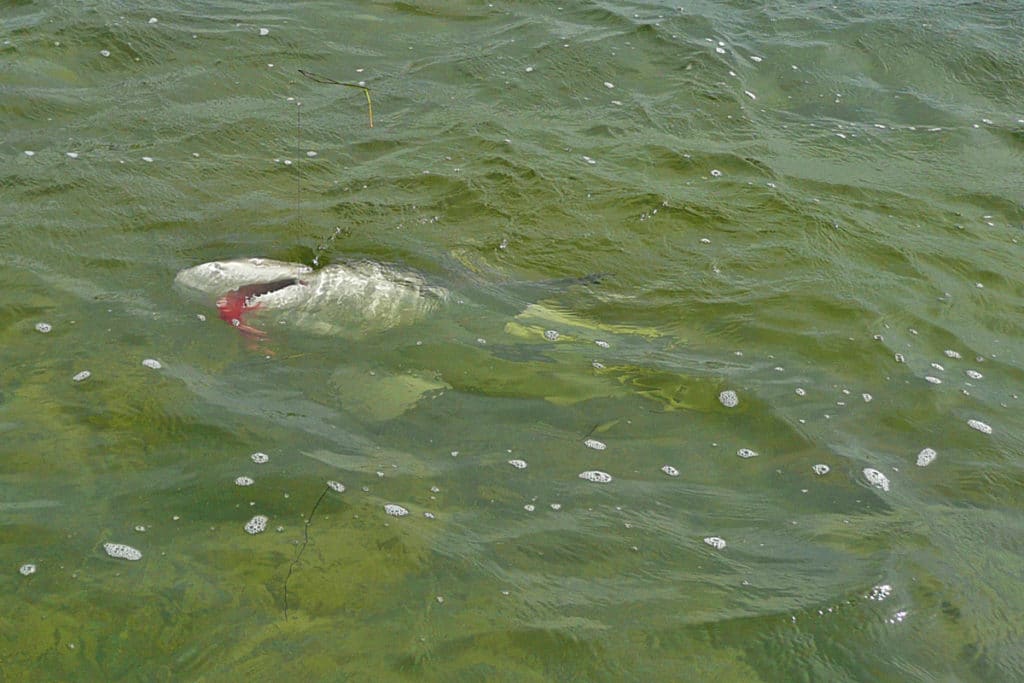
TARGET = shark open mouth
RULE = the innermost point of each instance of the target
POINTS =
(233, 305)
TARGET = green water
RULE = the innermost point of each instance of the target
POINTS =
(784, 198)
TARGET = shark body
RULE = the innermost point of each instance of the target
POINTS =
(348, 299)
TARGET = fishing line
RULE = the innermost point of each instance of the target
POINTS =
(317, 78)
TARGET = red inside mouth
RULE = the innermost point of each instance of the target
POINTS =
(233, 305)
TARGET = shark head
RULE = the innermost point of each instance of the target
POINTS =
(216, 278)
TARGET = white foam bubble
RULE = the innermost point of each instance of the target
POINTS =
(715, 542)
(880, 592)
(609, 85)
(950, 353)
(82, 376)
(933, 380)
(556, 506)
(73, 155)
(821, 469)
(43, 327)
(27, 569)
(264, 31)
(336, 486)
(529, 507)
(259, 458)
(925, 457)
(974, 374)
(429, 515)
(595, 444)
(715, 173)
(603, 344)
(899, 358)
(800, 391)
(244, 481)
(518, 464)
(551, 335)
(256, 525)
(29, 153)
(122, 551)
(670, 471)
(152, 363)
(729, 399)
(980, 426)
(105, 53)
(153, 20)
(596, 476)
(747, 453)
(876, 478)
(867, 397)
(395, 510)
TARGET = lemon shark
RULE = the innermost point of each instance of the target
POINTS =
(351, 298)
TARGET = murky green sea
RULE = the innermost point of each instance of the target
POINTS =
(818, 207)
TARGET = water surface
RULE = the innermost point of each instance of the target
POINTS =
(816, 207)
